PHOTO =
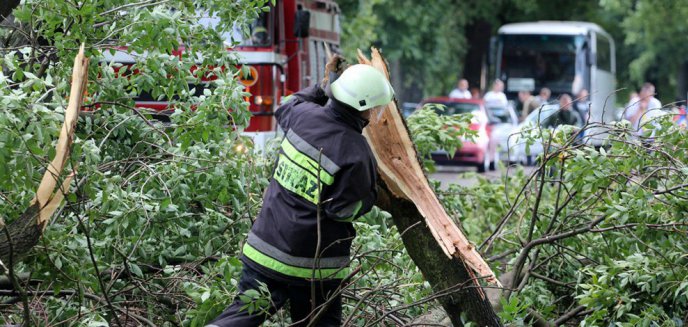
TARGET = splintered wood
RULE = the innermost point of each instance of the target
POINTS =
(48, 197)
(401, 171)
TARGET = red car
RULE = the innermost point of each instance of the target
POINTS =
(482, 151)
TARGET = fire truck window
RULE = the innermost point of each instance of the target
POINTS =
(322, 60)
(313, 61)
(257, 33)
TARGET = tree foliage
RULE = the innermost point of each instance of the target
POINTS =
(432, 130)
(152, 226)
(594, 235)
(421, 41)
(150, 231)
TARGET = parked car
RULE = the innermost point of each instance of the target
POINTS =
(407, 108)
(518, 149)
(480, 152)
(504, 122)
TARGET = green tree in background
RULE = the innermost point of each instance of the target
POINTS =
(418, 40)
(655, 32)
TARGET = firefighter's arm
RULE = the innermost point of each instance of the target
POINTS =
(310, 94)
(353, 195)
(313, 94)
(334, 68)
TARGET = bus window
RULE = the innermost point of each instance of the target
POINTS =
(604, 58)
(546, 60)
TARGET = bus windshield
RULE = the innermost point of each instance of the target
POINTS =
(530, 62)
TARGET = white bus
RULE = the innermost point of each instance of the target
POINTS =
(563, 56)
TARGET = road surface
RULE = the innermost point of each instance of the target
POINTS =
(467, 176)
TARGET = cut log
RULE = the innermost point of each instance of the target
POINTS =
(435, 243)
(17, 238)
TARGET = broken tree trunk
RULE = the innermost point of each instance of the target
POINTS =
(17, 238)
(438, 247)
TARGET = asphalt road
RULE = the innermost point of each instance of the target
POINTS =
(465, 176)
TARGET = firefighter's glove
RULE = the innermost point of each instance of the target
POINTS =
(334, 68)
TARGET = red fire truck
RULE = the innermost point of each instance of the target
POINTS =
(286, 51)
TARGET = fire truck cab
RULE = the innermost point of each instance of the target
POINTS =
(286, 52)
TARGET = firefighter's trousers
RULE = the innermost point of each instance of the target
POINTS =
(281, 291)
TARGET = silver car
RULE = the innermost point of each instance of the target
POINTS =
(519, 150)
(503, 123)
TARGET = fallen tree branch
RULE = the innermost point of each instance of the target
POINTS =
(25, 231)
(437, 246)
(89, 296)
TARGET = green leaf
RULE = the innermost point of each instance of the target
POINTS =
(136, 270)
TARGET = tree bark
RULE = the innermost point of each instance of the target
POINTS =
(437, 246)
(478, 36)
(446, 275)
(17, 238)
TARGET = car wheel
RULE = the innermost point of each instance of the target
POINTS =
(493, 163)
(483, 167)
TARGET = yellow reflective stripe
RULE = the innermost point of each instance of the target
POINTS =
(311, 152)
(296, 179)
(306, 162)
(268, 262)
(287, 98)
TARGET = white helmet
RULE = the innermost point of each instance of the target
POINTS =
(362, 87)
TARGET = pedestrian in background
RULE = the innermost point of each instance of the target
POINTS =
(496, 97)
(582, 104)
(565, 115)
(528, 104)
(680, 113)
(475, 93)
(461, 91)
(645, 108)
(543, 96)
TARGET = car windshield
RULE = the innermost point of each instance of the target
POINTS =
(454, 108)
(500, 114)
(542, 114)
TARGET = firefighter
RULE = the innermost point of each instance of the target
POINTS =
(324, 178)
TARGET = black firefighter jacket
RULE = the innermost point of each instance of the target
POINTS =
(324, 162)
